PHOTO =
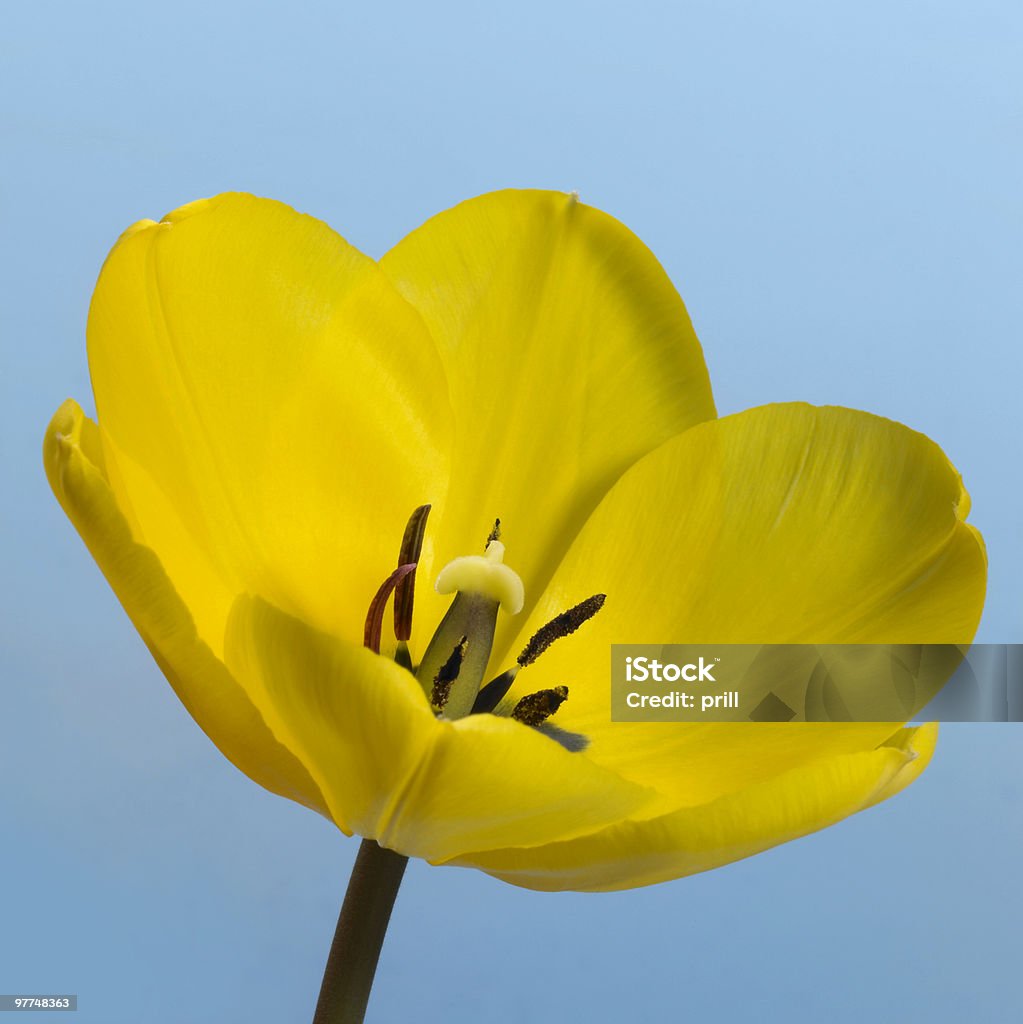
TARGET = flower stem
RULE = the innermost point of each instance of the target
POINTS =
(361, 926)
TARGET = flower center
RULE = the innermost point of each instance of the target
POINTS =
(456, 660)
(455, 663)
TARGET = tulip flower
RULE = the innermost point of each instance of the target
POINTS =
(504, 429)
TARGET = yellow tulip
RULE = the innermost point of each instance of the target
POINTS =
(273, 406)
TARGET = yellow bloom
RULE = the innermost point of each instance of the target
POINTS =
(272, 406)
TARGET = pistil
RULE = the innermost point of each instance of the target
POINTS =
(482, 585)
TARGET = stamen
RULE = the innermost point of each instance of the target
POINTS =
(535, 708)
(561, 625)
(495, 534)
(375, 615)
(447, 675)
(402, 655)
(405, 591)
(494, 692)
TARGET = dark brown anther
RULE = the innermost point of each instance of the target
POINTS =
(535, 708)
(447, 675)
(561, 625)
(405, 591)
(375, 615)
(495, 534)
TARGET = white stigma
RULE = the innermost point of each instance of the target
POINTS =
(484, 574)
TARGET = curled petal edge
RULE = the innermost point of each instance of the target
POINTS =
(72, 455)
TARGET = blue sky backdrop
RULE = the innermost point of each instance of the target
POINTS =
(834, 188)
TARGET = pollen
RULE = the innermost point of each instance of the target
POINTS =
(535, 708)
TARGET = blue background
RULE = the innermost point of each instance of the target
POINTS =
(835, 189)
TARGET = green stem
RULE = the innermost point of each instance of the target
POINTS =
(361, 926)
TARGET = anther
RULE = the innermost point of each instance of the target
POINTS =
(535, 708)
(495, 534)
(447, 675)
(375, 616)
(405, 591)
(561, 625)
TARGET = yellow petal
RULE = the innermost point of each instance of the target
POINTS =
(784, 524)
(389, 770)
(569, 355)
(72, 454)
(739, 825)
(272, 395)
